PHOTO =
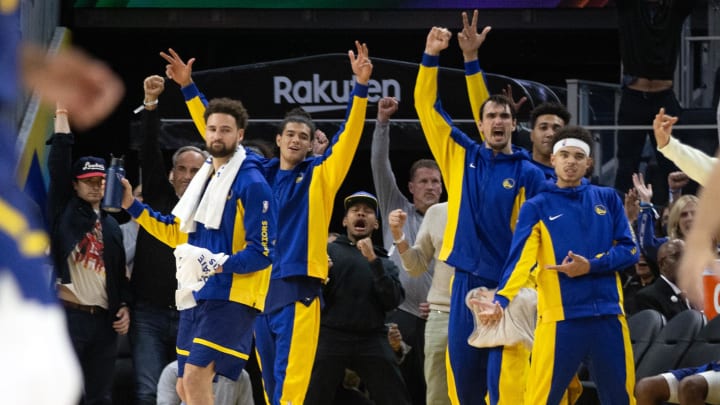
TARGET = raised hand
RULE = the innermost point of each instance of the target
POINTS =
(677, 180)
(366, 248)
(507, 92)
(153, 86)
(469, 39)
(644, 191)
(396, 221)
(85, 86)
(572, 265)
(361, 64)
(662, 127)
(632, 205)
(320, 143)
(177, 69)
(387, 106)
(437, 40)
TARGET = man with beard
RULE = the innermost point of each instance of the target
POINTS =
(362, 285)
(487, 183)
(226, 217)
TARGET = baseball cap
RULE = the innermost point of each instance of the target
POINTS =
(89, 166)
(361, 196)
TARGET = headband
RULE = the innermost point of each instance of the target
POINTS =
(572, 142)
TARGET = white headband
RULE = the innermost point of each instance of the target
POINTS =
(572, 142)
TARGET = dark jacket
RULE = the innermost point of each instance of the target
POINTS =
(153, 279)
(660, 296)
(358, 293)
(71, 218)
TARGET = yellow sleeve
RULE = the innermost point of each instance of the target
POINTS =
(166, 229)
(477, 90)
(449, 155)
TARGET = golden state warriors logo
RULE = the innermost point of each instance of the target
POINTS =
(508, 183)
(600, 209)
(8, 6)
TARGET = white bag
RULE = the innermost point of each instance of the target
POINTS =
(517, 325)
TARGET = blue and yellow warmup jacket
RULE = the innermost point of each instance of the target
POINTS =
(485, 191)
(587, 220)
(247, 231)
(304, 196)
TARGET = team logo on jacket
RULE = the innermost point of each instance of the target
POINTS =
(600, 209)
(266, 205)
(299, 178)
(508, 183)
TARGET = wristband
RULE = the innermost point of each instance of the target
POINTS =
(397, 241)
(149, 103)
(61, 111)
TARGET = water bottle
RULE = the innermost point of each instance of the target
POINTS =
(112, 201)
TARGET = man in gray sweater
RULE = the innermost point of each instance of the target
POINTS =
(425, 186)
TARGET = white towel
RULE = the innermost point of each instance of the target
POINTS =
(207, 208)
(194, 265)
(517, 325)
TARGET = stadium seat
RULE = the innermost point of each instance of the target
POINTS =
(644, 327)
(706, 346)
(671, 343)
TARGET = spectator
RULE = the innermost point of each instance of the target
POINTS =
(225, 390)
(694, 162)
(641, 277)
(664, 295)
(649, 33)
(363, 284)
(129, 232)
(89, 257)
(680, 219)
(153, 334)
(417, 259)
(425, 187)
